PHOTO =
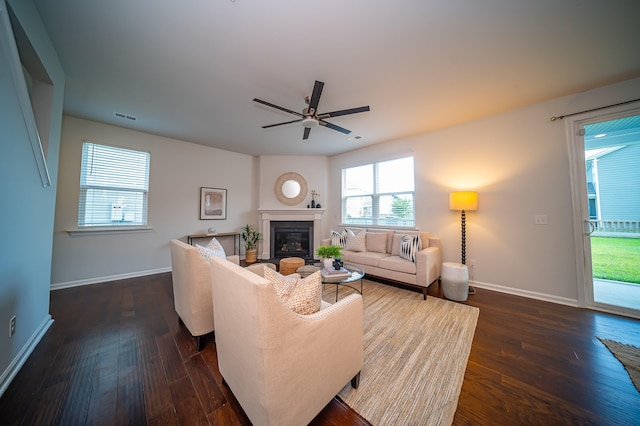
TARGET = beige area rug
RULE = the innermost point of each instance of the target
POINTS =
(415, 356)
(629, 356)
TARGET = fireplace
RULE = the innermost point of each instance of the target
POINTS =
(292, 238)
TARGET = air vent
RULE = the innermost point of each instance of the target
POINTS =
(355, 138)
(124, 116)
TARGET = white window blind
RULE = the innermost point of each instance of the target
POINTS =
(114, 184)
(379, 194)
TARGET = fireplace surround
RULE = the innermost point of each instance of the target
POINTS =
(290, 215)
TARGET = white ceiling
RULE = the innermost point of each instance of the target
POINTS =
(189, 69)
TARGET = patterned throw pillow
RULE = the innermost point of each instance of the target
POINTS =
(356, 242)
(410, 245)
(207, 252)
(301, 295)
(217, 248)
(339, 239)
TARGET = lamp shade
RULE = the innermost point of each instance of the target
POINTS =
(463, 200)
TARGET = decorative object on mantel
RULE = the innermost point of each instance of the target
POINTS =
(211, 230)
(329, 254)
(318, 206)
(314, 194)
(213, 203)
(251, 238)
(291, 188)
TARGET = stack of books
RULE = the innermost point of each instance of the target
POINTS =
(335, 273)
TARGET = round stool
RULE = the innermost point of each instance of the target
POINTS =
(307, 270)
(288, 265)
(455, 281)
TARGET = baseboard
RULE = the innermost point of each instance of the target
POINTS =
(526, 293)
(97, 280)
(17, 363)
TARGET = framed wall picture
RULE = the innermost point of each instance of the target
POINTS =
(213, 203)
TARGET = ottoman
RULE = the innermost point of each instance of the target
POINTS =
(288, 265)
(455, 281)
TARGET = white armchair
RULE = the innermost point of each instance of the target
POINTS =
(192, 289)
(282, 367)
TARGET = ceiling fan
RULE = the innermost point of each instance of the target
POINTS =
(310, 117)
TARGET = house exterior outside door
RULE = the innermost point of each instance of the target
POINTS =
(605, 156)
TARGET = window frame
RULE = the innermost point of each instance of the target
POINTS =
(376, 221)
(113, 226)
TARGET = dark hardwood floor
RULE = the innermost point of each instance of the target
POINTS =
(116, 354)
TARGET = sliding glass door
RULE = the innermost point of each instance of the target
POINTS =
(606, 160)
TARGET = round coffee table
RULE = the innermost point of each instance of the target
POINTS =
(355, 274)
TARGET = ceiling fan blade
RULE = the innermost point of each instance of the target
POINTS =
(334, 127)
(307, 130)
(276, 107)
(315, 97)
(344, 112)
(281, 124)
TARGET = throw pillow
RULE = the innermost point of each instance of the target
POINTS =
(410, 245)
(301, 295)
(217, 247)
(206, 252)
(339, 239)
(356, 242)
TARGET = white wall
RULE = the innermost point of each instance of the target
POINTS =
(26, 216)
(518, 162)
(178, 169)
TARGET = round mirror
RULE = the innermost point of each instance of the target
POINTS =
(291, 189)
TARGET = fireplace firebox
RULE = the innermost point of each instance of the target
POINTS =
(291, 239)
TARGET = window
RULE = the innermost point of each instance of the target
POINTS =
(114, 184)
(379, 194)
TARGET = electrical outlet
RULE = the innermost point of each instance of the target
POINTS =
(471, 263)
(12, 326)
(540, 219)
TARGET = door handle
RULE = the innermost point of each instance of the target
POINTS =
(589, 227)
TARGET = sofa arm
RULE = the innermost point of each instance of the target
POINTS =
(234, 259)
(428, 265)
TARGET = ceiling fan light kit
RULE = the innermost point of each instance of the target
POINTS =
(309, 117)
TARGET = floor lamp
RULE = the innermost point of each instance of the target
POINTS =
(463, 201)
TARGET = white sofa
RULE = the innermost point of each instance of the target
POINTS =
(282, 367)
(192, 289)
(381, 258)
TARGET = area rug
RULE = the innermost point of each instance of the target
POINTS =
(415, 356)
(629, 356)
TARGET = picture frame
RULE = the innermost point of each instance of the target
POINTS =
(213, 203)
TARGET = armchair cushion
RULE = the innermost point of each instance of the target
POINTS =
(302, 295)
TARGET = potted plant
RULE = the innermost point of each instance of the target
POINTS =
(251, 238)
(328, 253)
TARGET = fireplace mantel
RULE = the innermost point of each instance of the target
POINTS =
(267, 215)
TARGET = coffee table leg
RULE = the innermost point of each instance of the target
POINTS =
(337, 287)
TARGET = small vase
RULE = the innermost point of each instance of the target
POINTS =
(313, 204)
(328, 263)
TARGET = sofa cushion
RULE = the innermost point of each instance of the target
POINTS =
(376, 241)
(301, 295)
(367, 258)
(396, 263)
(207, 252)
(356, 242)
(339, 239)
(410, 245)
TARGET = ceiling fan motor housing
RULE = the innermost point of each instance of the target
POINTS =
(309, 122)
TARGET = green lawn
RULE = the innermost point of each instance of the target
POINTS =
(616, 259)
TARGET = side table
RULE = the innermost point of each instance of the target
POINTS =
(455, 281)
